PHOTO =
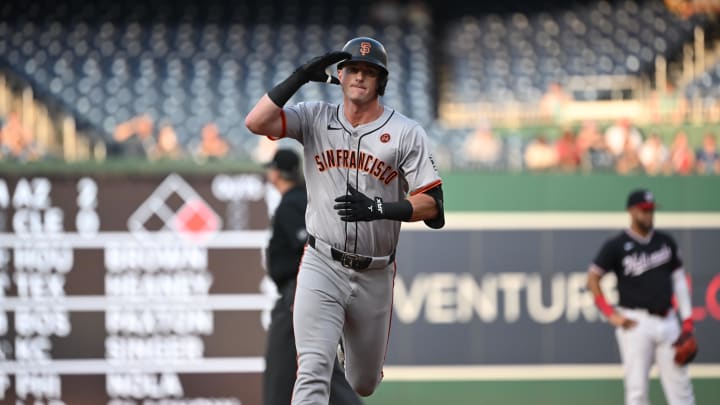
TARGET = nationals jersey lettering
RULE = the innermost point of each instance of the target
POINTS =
(638, 263)
(387, 158)
(350, 159)
(643, 267)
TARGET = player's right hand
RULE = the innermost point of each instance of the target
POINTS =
(314, 70)
(620, 321)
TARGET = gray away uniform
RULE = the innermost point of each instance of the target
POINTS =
(386, 158)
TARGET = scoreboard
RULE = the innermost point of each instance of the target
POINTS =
(125, 289)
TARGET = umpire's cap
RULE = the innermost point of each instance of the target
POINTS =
(287, 161)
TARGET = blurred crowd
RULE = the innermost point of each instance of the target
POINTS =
(621, 148)
(137, 138)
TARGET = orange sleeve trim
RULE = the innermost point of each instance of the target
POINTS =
(284, 127)
(426, 188)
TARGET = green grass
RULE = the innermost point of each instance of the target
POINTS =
(585, 392)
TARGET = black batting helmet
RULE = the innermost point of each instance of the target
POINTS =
(366, 49)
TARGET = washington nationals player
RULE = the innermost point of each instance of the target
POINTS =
(649, 271)
(361, 160)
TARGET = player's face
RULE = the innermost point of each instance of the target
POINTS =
(642, 218)
(359, 81)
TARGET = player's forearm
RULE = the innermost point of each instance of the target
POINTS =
(593, 285)
(265, 118)
(682, 295)
(424, 207)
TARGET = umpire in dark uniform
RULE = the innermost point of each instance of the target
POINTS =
(284, 251)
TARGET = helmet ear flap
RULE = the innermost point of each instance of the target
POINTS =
(382, 82)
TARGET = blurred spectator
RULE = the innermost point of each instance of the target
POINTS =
(683, 8)
(553, 101)
(629, 160)
(211, 146)
(167, 147)
(587, 135)
(135, 137)
(688, 8)
(682, 157)
(654, 155)
(594, 153)
(18, 143)
(708, 158)
(617, 134)
(540, 155)
(568, 152)
(482, 148)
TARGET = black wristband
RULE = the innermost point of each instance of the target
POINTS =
(282, 92)
(399, 211)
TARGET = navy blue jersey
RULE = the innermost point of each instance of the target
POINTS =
(643, 267)
(287, 242)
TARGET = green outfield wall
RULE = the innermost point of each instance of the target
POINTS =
(469, 191)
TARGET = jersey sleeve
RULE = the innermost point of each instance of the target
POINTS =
(300, 119)
(605, 260)
(675, 261)
(417, 163)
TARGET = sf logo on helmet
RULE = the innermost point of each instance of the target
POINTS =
(365, 48)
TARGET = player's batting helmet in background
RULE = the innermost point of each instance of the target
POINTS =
(365, 49)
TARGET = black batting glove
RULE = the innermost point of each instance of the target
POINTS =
(314, 71)
(356, 206)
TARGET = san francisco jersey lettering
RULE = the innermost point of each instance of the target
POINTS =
(350, 159)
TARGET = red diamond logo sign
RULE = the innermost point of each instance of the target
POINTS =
(195, 218)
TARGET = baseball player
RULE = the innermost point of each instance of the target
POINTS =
(649, 271)
(283, 255)
(367, 169)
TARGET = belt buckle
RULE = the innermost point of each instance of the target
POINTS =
(350, 260)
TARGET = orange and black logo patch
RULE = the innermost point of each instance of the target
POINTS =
(365, 48)
(385, 138)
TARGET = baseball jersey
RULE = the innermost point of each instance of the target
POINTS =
(285, 248)
(386, 158)
(643, 267)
